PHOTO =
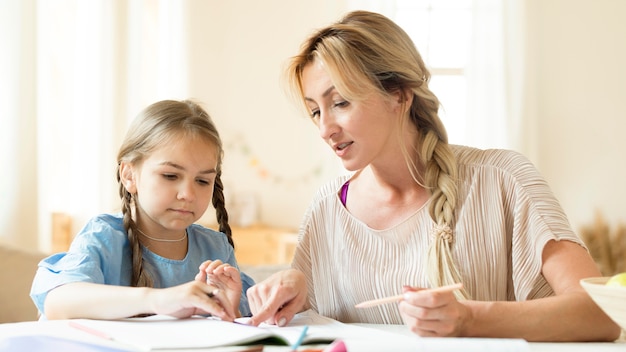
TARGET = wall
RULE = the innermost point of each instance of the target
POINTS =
(580, 100)
(273, 152)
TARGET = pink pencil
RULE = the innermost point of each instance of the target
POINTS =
(377, 302)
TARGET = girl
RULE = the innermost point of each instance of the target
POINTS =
(150, 259)
(418, 212)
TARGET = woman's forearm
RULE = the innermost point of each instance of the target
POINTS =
(568, 317)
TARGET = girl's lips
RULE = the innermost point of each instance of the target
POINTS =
(182, 211)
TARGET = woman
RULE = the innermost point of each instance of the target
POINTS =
(418, 212)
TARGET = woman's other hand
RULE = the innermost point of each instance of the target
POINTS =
(277, 299)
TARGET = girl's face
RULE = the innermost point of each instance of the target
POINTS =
(173, 185)
(359, 132)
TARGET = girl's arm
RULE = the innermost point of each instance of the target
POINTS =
(570, 315)
(98, 301)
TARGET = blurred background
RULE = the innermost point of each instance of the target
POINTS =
(543, 77)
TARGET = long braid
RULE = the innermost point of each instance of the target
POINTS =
(140, 277)
(440, 176)
(219, 204)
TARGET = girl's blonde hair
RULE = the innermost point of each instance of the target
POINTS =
(158, 124)
(366, 52)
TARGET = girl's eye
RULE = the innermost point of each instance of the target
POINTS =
(204, 182)
(315, 114)
(170, 176)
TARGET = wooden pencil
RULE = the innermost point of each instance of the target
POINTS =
(391, 299)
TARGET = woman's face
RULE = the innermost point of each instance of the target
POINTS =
(174, 185)
(359, 132)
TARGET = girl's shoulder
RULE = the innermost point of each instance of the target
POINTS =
(207, 236)
(203, 230)
(108, 228)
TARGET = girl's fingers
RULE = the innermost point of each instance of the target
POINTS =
(204, 265)
(220, 298)
(219, 269)
(231, 272)
(200, 276)
(213, 265)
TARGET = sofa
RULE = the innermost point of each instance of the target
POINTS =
(17, 270)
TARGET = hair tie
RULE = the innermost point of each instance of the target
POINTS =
(444, 232)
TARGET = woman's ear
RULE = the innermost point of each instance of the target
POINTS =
(403, 98)
(127, 177)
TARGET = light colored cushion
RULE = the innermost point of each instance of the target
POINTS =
(17, 270)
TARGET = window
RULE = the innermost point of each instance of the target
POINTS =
(441, 30)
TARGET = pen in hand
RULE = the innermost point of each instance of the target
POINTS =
(377, 302)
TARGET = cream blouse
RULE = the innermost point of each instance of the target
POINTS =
(506, 213)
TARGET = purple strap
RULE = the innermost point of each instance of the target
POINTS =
(344, 193)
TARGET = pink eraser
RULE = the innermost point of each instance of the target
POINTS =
(336, 346)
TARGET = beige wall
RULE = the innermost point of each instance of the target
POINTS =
(580, 96)
(272, 151)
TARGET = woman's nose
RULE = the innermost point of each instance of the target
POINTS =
(327, 125)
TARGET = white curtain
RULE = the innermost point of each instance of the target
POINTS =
(496, 75)
(18, 197)
(85, 69)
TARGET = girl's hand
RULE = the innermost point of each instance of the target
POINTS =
(192, 298)
(277, 299)
(223, 276)
(433, 314)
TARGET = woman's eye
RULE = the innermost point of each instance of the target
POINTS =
(341, 104)
(169, 176)
(315, 114)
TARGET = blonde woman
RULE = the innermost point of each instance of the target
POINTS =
(152, 258)
(419, 213)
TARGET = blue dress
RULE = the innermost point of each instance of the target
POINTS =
(100, 253)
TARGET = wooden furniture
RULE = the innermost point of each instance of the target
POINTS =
(61, 232)
(263, 245)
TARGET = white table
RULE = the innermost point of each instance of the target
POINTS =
(619, 345)
(398, 334)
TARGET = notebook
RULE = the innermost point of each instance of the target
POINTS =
(161, 332)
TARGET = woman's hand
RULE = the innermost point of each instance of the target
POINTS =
(223, 276)
(433, 314)
(192, 298)
(277, 299)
